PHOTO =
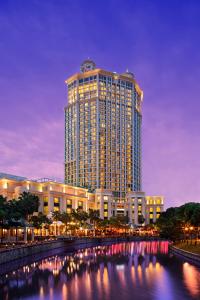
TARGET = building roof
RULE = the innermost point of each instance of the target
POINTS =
(20, 178)
(12, 177)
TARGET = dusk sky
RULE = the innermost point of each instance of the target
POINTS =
(44, 42)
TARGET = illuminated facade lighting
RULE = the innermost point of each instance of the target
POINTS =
(103, 131)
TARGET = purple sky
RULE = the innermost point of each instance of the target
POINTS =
(44, 42)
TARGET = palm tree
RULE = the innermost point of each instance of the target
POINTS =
(3, 213)
(65, 218)
(93, 216)
(14, 216)
(141, 219)
(79, 217)
(39, 220)
(28, 204)
(56, 215)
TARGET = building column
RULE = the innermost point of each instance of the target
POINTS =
(41, 205)
(144, 209)
(50, 203)
(62, 204)
(74, 203)
(136, 211)
(101, 207)
(154, 213)
(130, 210)
(109, 208)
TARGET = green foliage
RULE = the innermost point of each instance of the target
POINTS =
(141, 219)
(56, 215)
(39, 220)
(28, 204)
(15, 213)
(3, 211)
(172, 222)
(93, 216)
(65, 218)
(114, 222)
(62, 217)
(79, 216)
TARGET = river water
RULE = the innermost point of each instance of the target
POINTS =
(135, 271)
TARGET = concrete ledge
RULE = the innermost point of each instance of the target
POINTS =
(186, 254)
(9, 255)
(62, 243)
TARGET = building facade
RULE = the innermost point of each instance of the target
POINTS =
(103, 121)
(103, 131)
(55, 196)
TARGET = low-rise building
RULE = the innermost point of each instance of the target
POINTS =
(57, 196)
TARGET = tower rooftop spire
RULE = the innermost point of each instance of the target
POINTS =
(87, 65)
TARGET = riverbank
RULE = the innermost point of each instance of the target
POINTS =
(62, 244)
(187, 252)
(189, 247)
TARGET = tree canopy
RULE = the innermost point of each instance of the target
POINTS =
(174, 220)
(15, 213)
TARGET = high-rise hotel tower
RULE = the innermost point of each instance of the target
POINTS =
(102, 152)
(103, 131)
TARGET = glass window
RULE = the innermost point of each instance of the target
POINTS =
(105, 205)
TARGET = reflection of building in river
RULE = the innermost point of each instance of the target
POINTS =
(98, 271)
(191, 279)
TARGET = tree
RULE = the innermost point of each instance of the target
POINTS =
(3, 211)
(79, 216)
(141, 219)
(115, 222)
(195, 218)
(173, 222)
(65, 218)
(93, 216)
(14, 216)
(56, 215)
(28, 204)
(39, 220)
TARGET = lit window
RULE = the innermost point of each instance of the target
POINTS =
(105, 205)
(69, 202)
(69, 210)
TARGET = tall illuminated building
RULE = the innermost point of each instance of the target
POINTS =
(103, 131)
(102, 152)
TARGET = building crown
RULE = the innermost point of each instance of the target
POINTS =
(87, 65)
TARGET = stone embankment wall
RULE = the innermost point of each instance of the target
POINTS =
(64, 244)
(8, 255)
(185, 254)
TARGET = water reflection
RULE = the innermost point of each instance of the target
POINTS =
(191, 278)
(137, 270)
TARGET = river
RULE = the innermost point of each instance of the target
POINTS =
(133, 270)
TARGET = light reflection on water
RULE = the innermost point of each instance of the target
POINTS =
(135, 270)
